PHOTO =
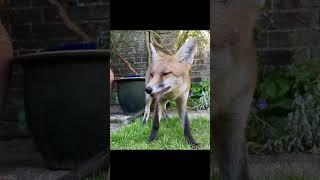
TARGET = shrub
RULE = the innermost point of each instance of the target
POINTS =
(285, 113)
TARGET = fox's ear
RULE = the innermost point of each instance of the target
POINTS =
(187, 51)
(153, 53)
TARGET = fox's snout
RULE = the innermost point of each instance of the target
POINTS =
(148, 90)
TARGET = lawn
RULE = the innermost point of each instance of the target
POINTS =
(98, 175)
(284, 175)
(135, 136)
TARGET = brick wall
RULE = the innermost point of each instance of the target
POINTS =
(290, 31)
(35, 25)
(137, 54)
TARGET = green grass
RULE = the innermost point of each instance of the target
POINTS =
(284, 175)
(135, 136)
(98, 175)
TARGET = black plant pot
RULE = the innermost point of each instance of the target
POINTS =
(131, 94)
(65, 100)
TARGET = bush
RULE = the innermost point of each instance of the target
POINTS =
(199, 96)
(285, 112)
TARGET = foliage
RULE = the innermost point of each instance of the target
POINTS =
(199, 96)
(275, 87)
(304, 123)
(285, 113)
(203, 39)
(135, 135)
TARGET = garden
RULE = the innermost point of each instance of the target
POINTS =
(131, 134)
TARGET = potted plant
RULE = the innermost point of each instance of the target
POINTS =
(130, 88)
(65, 95)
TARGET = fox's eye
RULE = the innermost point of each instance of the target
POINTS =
(166, 73)
(151, 75)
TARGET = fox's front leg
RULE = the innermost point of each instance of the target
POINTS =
(181, 103)
(147, 109)
(229, 140)
(156, 119)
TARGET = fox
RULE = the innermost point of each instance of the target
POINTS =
(168, 79)
(234, 79)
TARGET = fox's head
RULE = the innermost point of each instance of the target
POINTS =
(167, 73)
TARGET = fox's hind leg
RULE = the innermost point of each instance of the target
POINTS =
(164, 109)
(147, 109)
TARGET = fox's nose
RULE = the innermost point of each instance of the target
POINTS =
(148, 90)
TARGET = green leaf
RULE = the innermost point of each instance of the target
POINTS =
(283, 87)
(284, 103)
(271, 91)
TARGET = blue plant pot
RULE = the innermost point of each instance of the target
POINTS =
(131, 94)
(65, 46)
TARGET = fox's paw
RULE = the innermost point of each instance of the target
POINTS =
(152, 137)
(194, 145)
(144, 122)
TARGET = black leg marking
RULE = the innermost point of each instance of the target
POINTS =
(187, 131)
(155, 122)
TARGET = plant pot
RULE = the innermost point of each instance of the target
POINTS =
(65, 101)
(73, 46)
(131, 94)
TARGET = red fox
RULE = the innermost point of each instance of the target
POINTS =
(234, 81)
(168, 78)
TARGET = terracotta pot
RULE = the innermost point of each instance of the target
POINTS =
(6, 53)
